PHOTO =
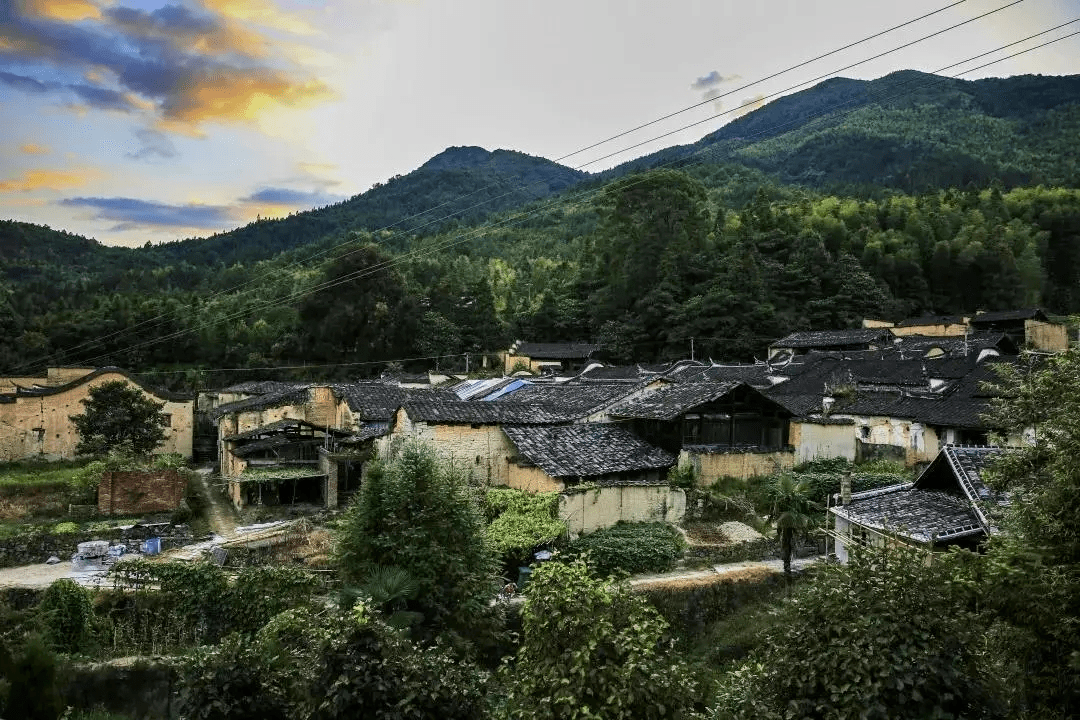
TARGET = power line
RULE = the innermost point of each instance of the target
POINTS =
(525, 215)
(520, 188)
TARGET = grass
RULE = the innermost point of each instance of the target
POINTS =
(26, 474)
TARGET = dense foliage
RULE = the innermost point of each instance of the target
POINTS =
(929, 196)
(592, 649)
(420, 515)
(881, 637)
(629, 547)
(118, 416)
(520, 522)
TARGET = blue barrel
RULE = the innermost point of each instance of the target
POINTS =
(152, 546)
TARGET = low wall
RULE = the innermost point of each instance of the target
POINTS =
(138, 491)
(137, 688)
(33, 548)
(591, 509)
(710, 466)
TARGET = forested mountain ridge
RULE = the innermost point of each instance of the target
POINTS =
(909, 130)
(720, 251)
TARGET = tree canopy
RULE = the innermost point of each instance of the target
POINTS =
(118, 416)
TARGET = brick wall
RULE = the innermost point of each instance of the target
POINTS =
(136, 492)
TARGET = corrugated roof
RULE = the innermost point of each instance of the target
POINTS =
(587, 450)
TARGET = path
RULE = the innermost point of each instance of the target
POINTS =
(708, 574)
(218, 510)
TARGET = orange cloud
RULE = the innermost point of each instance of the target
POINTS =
(46, 180)
(260, 12)
(66, 10)
(33, 149)
(241, 96)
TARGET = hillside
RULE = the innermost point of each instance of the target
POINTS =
(908, 130)
(955, 197)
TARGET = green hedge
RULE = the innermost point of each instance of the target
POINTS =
(519, 522)
(690, 610)
(630, 547)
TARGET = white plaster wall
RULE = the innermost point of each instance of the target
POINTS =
(590, 510)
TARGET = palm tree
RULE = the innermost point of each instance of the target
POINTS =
(793, 512)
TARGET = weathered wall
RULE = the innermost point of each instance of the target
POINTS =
(532, 479)
(950, 330)
(813, 441)
(38, 427)
(483, 451)
(742, 465)
(1046, 336)
(584, 511)
(135, 492)
(919, 442)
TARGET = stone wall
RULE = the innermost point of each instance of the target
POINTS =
(532, 479)
(140, 491)
(584, 511)
(36, 547)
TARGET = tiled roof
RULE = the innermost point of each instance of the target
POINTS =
(965, 465)
(272, 442)
(670, 401)
(921, 515)
(831, 338)
(556, 351)
(985, 318)
(377, 401)
(573, 399)
(281, 426)
(931, 320)
(46, 390)
(587, 450)
(295, 396)
(263, 387)
(483, 413)
(369, 431)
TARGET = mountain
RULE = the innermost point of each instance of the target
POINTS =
(908, 130)
(459, 185)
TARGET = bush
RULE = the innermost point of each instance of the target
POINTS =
(69, 615)
(630, 547)
(521, 522)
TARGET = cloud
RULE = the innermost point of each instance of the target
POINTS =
(290, 197)
(185, 65)
(94, 96)
(260, 12)
(131, 213)
(712, 80)
(46, 180)
(33, 149)
(153, 143)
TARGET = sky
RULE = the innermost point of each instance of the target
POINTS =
(136, 121)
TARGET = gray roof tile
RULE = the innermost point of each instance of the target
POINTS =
(587, 450)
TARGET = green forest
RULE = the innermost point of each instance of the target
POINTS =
(899, 197)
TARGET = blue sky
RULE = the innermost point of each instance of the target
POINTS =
(135, 121)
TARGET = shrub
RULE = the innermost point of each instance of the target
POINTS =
(630, 547)
(419, 514)
(520, 522)
(69, 615)
(593, 649)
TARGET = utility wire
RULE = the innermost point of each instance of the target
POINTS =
(520, 188)
(525, 215)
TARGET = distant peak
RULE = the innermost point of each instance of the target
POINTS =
(458, 157)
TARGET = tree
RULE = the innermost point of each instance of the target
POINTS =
(885, 636)
(119, 416)
(593, 649)
(793, 512)
(1032, 581)
(416, 513)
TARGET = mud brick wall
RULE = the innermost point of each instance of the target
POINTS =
(135, 492)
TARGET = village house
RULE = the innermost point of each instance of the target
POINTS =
(723, 429)
(604, 472)
(801, 342)
(1028, 327)
(468, 434)
(949, 504)
(35, 419)
(547, 357)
